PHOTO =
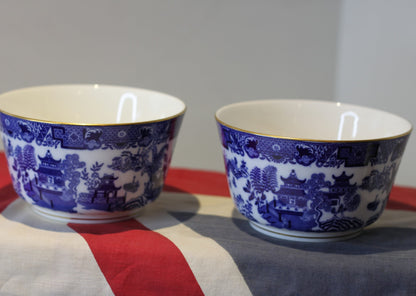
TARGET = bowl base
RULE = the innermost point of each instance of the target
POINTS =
(301, 236)
(85, 218)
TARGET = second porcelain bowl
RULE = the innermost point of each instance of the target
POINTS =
(310, 170)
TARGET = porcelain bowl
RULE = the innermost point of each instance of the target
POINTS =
(89, 153)
(310, 170)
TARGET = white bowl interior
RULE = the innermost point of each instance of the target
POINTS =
(312, 120)
(90, 104)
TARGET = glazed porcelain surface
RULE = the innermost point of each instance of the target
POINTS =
(89, 153)
(310, 170)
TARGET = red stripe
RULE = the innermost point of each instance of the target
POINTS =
(197, 181)
(402, 198)
(7, 193)
(7, 196)
(4, 171)
(138, 261)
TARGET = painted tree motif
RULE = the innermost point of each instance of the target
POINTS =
(262, 181)
(314, 187)
(29, 159)
(71, 166)
(92, 182)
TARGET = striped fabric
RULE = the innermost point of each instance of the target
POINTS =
(191, 241)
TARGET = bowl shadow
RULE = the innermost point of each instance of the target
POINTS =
(152, 217)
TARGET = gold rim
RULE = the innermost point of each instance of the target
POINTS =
(93, 124)
(311, 139)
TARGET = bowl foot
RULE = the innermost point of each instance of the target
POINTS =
(93, 218)
(301, 236)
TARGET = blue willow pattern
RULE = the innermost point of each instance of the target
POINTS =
(267, 193)
(69, 180)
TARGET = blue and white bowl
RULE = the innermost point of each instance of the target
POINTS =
(89, 153)
(310, 170)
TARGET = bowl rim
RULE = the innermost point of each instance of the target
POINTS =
(248, 102)
(91, 85)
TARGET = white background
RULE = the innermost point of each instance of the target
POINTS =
(212, 53)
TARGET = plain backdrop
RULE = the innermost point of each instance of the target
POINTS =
(212, 53)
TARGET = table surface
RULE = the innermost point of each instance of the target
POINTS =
(191, 241)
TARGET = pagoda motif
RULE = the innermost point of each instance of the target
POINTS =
(289, 202)
(104, 196)
(106, 190)
(291, 197)
(49, 180)
(338, 189)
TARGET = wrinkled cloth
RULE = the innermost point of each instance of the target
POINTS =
(192, 241)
